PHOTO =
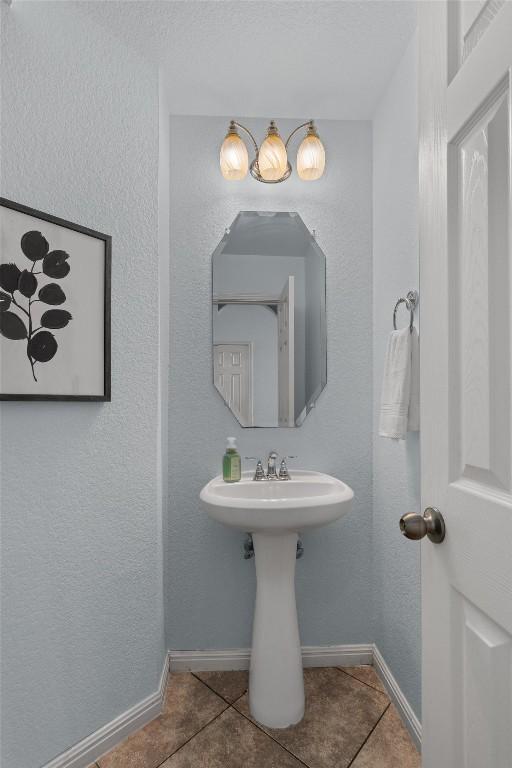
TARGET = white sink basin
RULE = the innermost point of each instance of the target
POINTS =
(308, 500)
(274, 511)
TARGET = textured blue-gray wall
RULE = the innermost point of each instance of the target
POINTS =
(82, 611)
(396, 470)
(211, 588)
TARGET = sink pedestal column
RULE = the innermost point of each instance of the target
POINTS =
(276, 683)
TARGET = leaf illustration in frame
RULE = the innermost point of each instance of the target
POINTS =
(52, 294)
(34, 245)
(27, 284)
(9, 276)
(12, 326)
(55, 264)
(55, 318)
(72, 265)
(5, 301)
(42, 346)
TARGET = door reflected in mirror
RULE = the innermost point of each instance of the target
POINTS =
(269, 323)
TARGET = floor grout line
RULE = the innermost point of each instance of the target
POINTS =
(192, 737)
(268, 735)
(196, 733)
(217, 693)
(369, 685)
(366, 740)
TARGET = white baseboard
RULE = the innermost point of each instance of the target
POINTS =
(103, 740)
(224, 660)
(239, 658)
(396, 695)
(336, 655)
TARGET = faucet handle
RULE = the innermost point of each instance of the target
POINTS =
(283, 469)
(259, 473)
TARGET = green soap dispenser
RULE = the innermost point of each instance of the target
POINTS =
(231, 463)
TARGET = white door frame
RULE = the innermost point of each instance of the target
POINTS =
(286, 354)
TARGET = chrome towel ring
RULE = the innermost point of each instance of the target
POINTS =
(410, 302)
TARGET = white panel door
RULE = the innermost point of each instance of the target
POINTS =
(466, 386)
(286, 354)
(232, 374)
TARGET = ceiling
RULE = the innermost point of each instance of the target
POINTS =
(276, 58)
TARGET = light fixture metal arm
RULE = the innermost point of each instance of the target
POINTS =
(303, 125)
(239, 125)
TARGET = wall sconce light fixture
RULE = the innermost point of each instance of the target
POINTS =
(270, 164)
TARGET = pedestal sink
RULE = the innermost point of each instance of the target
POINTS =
(274, 511)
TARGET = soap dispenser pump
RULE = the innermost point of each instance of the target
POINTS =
(231, 462)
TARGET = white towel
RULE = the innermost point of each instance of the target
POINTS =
(413, 422)
(400, 387)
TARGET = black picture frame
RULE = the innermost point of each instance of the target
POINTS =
(107, 240)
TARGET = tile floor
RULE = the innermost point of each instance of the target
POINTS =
(206, 723)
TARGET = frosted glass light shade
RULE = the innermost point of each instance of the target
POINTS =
(234, 160)
(310, 158)
(272, 158)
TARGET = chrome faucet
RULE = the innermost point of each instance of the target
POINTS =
(271, 466)
(271, 473)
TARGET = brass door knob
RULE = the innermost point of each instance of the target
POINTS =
(429, 524)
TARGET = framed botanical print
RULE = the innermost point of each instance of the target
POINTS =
(54, 307)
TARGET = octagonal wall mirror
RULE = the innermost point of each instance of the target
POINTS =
(269, 323)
